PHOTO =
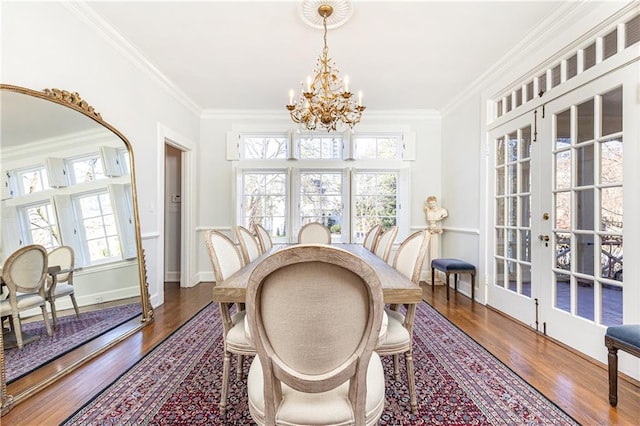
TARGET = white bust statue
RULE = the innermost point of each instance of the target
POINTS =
(432, 212)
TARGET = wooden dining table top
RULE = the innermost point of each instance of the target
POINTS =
(396, 287)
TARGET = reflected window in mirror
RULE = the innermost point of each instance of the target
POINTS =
(87, 168)
(38, 225)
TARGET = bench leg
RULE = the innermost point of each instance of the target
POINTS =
(455, 281)
(433, 279)
(613, 376)
(473, 287)
(447, 285)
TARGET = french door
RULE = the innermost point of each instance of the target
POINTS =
(563, 176)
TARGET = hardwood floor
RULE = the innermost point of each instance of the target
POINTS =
(577, 385)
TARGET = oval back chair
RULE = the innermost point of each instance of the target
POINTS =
(314, 232)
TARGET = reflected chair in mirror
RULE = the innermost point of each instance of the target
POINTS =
(399, 339)
(24, 273)
(60, 281)
(371, 238)
(316, 364)
(385, 243)
(248, 244)
(226, 259)
(314, 233)
(264, 238)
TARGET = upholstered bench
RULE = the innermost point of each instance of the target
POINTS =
(627, 338)
(453, 266)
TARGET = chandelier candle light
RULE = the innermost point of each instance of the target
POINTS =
(327, 101)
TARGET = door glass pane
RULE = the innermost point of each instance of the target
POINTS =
(513, 178)
(500, 272)
(525, 272)
(611, 257)
(585, 121)
(611, 121)
(563, 251)
(584, 254)
(512, 244)
(589, 56)
(611, 161)
(585, 299)
(584, 165)
(563, 129)
(611, 209)
(500, 242)
(611, 305)
(525, 176)
(584, 209)
(512, 210)
(563, 292)
(563, 210)
(512, 276)
(500, 151)
(500, 181)
(525, 145)
(563, 169)
(513, 146)
(610, 44)
(525, 245)
(525, 211)
(500, 212)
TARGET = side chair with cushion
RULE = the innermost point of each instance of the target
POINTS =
(385, 242)
(226, 260)
(399, 339)
(24, 273)
(248, 244)
(371, 238)
(60, 282)
(316, 364)
(314, 232)
(264, 238)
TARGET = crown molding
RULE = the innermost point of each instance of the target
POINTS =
(86, 14)
(409, 114)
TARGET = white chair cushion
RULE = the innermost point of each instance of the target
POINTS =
(24, 301)
(397, 335)
(325, 408)
(64, 289)
(236, 338)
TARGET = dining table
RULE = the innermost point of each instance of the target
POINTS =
(396, 287)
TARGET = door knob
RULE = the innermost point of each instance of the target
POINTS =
(544, 238)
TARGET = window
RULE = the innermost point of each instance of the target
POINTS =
(321, 199)
(32, 180)
(38, 225)
(264, 201)
(379, 147)
(320, 147)
(98, 227)
(263, 146)
(376, 200)
(86, 169)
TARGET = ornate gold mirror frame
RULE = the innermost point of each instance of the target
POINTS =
(73, 101)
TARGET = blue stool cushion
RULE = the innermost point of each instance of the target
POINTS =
(628, 333)
(445, 264)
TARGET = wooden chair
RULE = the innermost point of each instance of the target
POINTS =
(399, 339)
(315, 363)
(264, 237)
(314, 232)
(371, 238)
(385, 242)
(24, 273)
(60, 282)
(226, 260)
(248, 244)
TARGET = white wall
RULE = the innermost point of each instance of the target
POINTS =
(46, 45)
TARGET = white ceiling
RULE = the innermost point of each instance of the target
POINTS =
(404, 55)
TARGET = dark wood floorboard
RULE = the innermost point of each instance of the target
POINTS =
(577, 385)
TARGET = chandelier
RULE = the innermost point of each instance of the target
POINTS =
(326, 102)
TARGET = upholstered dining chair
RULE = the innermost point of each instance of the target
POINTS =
(60, 282)
(371, 238)
(315, 363)
(385, 243)
(248, 244)
(264, 238)
(399, 338)
(24, 273)
(314, 232)
(226, 259)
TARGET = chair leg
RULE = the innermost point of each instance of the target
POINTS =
(45, 316)
(17, 328)
(75, 304)
(239, 368)
(226, 365)
(396, 367)
(54, 313)
(411, 379)
(613, 376)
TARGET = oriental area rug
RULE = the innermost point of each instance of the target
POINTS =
(458, 383)
(71, 332)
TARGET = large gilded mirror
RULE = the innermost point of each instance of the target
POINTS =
(67, 180)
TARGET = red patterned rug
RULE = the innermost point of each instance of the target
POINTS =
(71, 333)
(458, 382)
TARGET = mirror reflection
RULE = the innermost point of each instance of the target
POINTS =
(67, 187)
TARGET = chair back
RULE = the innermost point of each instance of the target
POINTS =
(328, 338)
(264, 237)
(25, 270)
(371, 238)
(314, 232)
(248, 244)
(223, 253)
(62, 256)
(385, 242)
(411, 253)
